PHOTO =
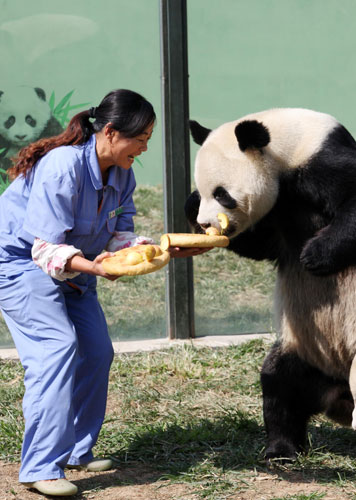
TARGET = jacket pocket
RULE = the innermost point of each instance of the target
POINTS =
(111, 224)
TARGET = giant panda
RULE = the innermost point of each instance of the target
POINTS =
(286, 179)
(25, 117)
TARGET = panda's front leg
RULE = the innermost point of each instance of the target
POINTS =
(332, 249)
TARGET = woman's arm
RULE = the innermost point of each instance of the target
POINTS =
(63, 261)
(79, 264)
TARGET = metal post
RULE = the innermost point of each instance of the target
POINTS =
(176, 154)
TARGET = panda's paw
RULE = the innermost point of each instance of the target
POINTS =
(281, 452)
(315, 258)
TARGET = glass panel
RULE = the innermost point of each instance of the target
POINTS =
(135, 306)
(247, 56)
(74, 53)
(232, 294)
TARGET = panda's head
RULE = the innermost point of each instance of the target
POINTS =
(239, 165)
(234, 174)
(24, 113)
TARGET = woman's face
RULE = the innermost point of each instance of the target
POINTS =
(124, 149)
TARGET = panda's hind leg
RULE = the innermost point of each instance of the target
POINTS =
(293, 390)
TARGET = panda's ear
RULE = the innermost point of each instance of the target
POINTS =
(1, 93)
(199, 133)
(41, 93)
(252, 134)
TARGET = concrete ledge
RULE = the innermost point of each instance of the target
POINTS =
(154, 345)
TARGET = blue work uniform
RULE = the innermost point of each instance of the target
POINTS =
(59, 327)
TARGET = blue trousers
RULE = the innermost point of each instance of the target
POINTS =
(62, 339)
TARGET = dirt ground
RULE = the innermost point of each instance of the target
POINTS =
(140, 483)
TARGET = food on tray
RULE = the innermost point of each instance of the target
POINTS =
(133, 261)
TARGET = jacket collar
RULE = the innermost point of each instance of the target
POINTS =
(92, 162)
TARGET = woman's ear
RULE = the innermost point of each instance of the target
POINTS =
(109, 131)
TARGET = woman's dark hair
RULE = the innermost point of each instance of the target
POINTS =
(127, 111)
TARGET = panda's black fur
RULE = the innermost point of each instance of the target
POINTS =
(308, 201)
(309, 233)
(25, 117)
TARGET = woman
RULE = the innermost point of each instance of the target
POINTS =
(71, 198)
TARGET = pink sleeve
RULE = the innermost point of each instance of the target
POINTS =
(52, 258)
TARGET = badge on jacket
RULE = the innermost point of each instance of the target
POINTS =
(116, 212)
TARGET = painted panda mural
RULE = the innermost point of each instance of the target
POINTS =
(286, 179)
(25, 116)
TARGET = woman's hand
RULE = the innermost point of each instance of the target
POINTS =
(80, 264)
(186, 252)
(98, 268)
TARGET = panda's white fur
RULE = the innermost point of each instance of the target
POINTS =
(25, 116)
(296, 135)
(292, 200)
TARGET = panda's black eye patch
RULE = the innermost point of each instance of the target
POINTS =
(223, 197)
(9, 122)
(30, 121)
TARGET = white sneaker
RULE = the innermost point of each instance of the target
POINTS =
(55, 487)
(95, 465)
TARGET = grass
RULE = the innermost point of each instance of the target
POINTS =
(193, 416)
(11, 420)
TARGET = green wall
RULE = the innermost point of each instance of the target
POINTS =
(244, 55)
(248, 55)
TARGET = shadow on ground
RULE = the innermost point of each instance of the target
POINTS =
(225, 445)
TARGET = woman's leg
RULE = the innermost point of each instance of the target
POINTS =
(95, 354)
(35, 312)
